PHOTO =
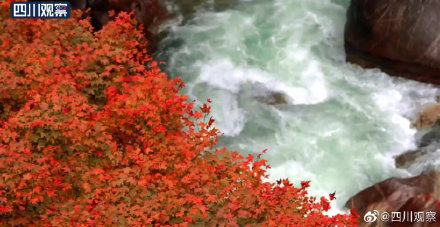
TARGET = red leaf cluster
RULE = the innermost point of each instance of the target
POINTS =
(93, 133)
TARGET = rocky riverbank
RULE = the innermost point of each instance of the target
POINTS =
(402, 39)
(416, 194)
(410, 196)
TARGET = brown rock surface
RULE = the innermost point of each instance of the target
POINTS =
(428, 122)
(421, 203)
(395, 194)
(401, 37)
(408, 158)
(427, 117)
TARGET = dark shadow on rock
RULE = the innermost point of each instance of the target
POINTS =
(263, 94)
(422, 204)
(273, 98)
(427, 144)
(431, 137)
(407, 159)
(401, 37)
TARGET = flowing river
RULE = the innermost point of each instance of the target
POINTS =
(275, 71)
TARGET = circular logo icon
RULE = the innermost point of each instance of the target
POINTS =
(371, 216)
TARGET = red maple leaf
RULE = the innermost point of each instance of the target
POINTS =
(332, 196)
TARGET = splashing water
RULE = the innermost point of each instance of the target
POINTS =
(335, 124)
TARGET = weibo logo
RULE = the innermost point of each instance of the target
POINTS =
(371, 216)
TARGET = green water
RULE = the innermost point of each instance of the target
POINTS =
(339, 125)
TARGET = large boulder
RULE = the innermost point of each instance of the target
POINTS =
(401, 37)
(416, 194)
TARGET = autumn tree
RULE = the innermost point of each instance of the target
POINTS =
(93, 133)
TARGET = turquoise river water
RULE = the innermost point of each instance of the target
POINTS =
(335, 123)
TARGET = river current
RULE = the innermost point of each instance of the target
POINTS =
(275, 71)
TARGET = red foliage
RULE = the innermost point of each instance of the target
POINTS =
(149, 14)
(93, 133)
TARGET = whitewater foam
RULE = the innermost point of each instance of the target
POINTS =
(341, 125)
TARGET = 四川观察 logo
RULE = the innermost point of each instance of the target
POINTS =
(55, 9)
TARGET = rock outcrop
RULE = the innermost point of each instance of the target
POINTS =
(415, 194)
(427, 117)
(428, 124)
(401, 37)
(409, 158)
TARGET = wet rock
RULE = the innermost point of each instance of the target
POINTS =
(264, 94)
(273, 98)
(427, 117)
(397, 194)
(427, 123)
(421, 204)
(432, 137)
(428, 143)
(407, 159)
(401, 37)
